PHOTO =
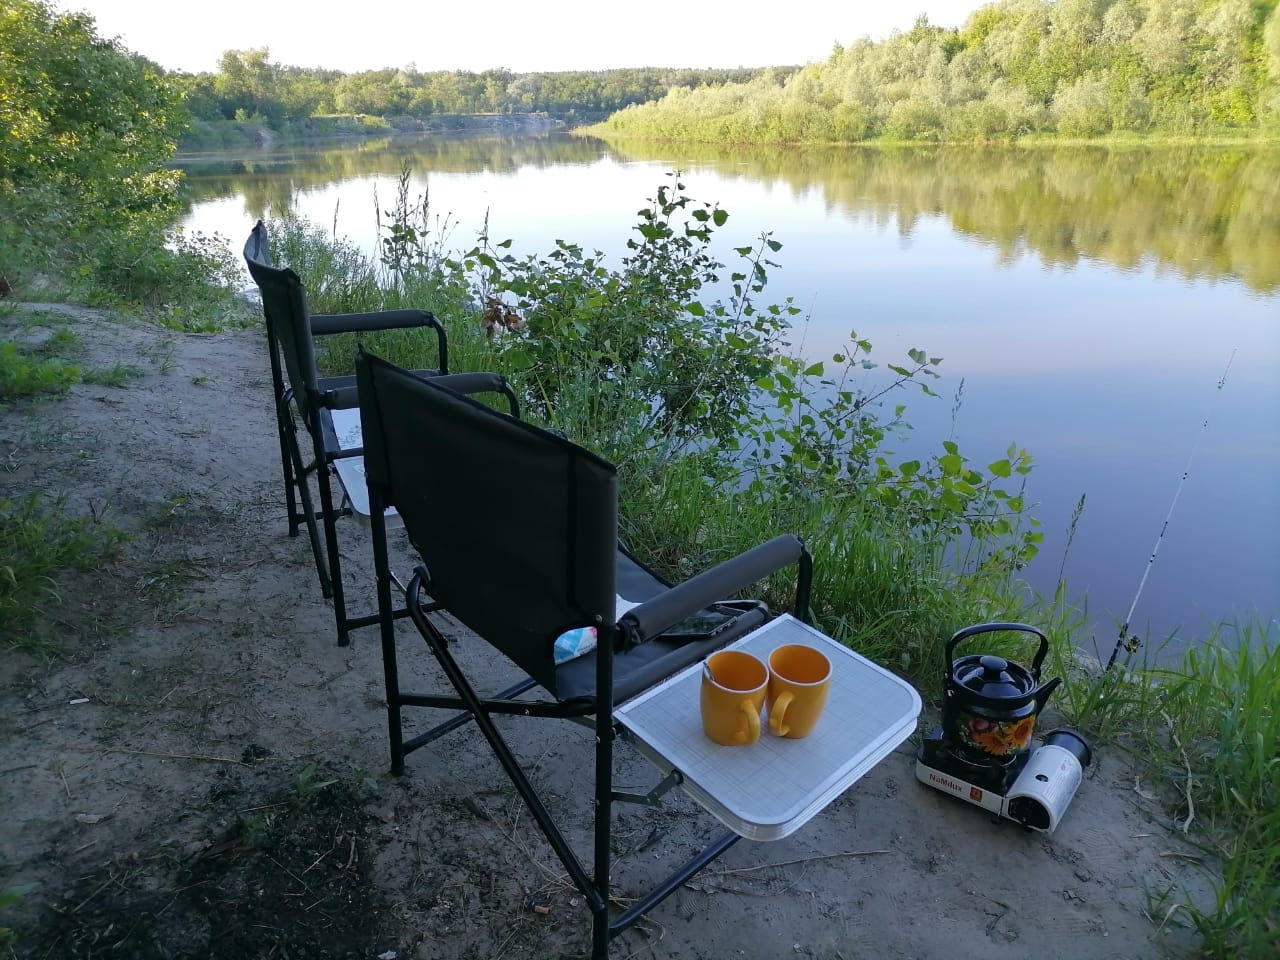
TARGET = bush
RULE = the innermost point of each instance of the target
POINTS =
(720, 439)
(913, 119)
(641, 336)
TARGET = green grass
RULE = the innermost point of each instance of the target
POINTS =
(24, 373)
(47, 369)
(1208, 729)
(116, 375)
(1220, 740)
(12, 896)
(39, 540)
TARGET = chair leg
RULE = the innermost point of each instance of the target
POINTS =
(515, 773)
(284, 424)
(387, 632)
(335, 563)
(673, 883)
(594, 889)
(286, 467)
(602, 834)
(456, 721)
(300, 473)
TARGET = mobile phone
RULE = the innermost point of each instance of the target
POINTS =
(699, 625)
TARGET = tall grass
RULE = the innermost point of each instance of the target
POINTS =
(1221, 741)
(411, 271)
(1208, 729)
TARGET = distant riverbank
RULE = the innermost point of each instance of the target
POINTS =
(236, 134)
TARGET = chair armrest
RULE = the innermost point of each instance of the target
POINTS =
(481, 382)
(346, 397)
(670, 607)
(327, 324)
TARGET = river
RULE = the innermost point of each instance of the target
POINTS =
(1116, 312)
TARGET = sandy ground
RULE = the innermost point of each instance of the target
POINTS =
(199, 771)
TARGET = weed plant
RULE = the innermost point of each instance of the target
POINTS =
(23, 374)
(722, 439)
(38, 540)
(1206, 729)
(46, 369)
(1215, 734)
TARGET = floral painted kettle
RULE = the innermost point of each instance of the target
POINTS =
(989, 704)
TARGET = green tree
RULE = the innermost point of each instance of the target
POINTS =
(80, 111)
(246, 81)
(85, 127)
(1271, 58)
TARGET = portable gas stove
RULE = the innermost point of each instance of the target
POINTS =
(1034, 787)
(982, 752)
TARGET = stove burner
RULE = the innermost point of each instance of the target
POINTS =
(985, 771)
(1033, 787)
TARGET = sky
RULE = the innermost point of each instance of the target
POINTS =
(520, 35)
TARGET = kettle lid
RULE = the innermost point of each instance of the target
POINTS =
(993, 677)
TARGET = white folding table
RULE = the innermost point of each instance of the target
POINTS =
(768, 790)
(346, 424)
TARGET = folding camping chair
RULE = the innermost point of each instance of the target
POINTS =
(326, 409)
(525, 565)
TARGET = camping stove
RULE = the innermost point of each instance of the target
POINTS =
(1033, 787)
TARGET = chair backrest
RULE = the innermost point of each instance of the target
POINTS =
(284, 304)
(257, 249)
(517, 527)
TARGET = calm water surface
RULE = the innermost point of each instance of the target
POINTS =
(1089, 301)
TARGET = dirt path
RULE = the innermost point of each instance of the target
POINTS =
(200, 771)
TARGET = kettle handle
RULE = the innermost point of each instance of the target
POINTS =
(992, 628)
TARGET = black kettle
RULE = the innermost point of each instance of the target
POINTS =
(989, 704)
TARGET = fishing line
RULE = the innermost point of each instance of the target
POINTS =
(1131, 644)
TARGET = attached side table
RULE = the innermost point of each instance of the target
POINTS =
(770, 789)
(346, 425)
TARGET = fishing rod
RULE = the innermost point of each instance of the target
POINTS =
(1130, 643)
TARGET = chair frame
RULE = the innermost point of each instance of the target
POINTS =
(301, 395)
(642, 624)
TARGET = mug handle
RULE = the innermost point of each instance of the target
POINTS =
(778, 711)
(752, 733)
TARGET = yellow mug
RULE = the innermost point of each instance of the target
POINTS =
(799, 677)
(733, 691)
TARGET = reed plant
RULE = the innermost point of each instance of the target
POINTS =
(1216, 734)
(411, 270)
(1207, 730)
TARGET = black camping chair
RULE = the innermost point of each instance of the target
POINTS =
(302, 397)
(522, 570)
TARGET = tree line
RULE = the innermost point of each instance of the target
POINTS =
(248, 85)
(1072, 68)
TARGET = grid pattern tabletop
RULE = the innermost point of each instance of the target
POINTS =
(769, 789)
(346, 425)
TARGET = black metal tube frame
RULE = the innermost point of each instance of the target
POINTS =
(595, 888)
